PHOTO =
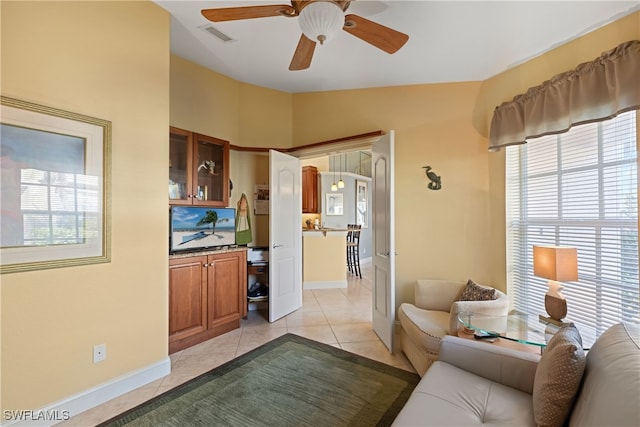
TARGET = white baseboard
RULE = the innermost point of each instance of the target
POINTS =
(341, 284)
(83, 401)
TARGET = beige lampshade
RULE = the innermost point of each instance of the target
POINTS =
(555, 263)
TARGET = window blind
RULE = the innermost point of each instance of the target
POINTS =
(577, 189)
(58, 208)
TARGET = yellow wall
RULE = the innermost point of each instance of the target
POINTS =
(108, 60)
(245, 115)
(459, 231)
(111, 60)
(439, 234)
(505, 86)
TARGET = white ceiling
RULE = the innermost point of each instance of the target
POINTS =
(449, 41)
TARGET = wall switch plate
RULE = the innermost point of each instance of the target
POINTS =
(99, 353)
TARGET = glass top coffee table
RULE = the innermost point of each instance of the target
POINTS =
(519, 327)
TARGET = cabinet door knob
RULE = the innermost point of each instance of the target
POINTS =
(205, 265)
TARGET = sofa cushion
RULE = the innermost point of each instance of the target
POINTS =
(424, 327)
(450, 396)
(558, 377)
(475, 292)
(507, 366)
(610, 392)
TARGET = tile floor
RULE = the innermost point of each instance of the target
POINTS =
(339, 317)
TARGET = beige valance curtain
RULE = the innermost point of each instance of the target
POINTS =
(594, 91)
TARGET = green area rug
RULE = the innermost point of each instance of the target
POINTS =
(290, 381)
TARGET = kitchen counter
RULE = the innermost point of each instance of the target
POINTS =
(324, 255)
(326, 231)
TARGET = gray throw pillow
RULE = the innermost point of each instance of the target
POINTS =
(475, 292)
(558, 377)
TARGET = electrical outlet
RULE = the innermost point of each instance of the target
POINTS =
(99, 353)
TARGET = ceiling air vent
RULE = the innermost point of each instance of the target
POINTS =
(216, 33)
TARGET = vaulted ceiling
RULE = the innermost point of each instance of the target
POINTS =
(449, 41)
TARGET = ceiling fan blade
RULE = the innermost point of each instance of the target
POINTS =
(248, 12)
(378, 35)
(304, 53)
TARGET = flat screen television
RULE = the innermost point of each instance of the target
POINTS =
(198, 227)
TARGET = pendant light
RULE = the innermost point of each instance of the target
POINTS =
(321, 20)
(341, 182)
(334, 187)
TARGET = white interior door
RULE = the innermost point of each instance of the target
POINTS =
(383, 230)
(285, 235)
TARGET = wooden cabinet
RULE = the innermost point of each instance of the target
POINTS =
(226, 288)
(207, 297)
(309, 189)
(187, 297)
(198, 169)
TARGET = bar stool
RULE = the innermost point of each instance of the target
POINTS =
(350, 228)
(353, 249)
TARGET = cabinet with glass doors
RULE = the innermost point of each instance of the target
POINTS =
(198, 169)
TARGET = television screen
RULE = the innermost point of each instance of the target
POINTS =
(200, 227)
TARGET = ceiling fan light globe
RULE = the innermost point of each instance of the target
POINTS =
(321, 20)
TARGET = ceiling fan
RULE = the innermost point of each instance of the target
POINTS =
(319, 20)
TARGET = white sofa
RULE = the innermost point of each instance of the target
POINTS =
(434, 314)
(476, 383)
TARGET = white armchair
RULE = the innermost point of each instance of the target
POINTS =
(435, 314)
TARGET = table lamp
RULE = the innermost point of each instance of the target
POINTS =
(558, 264)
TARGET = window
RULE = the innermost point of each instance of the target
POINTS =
(577, 189)
(57, 206)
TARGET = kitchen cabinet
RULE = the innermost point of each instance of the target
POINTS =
(198, 169)
(309, 189)
(207, 296)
